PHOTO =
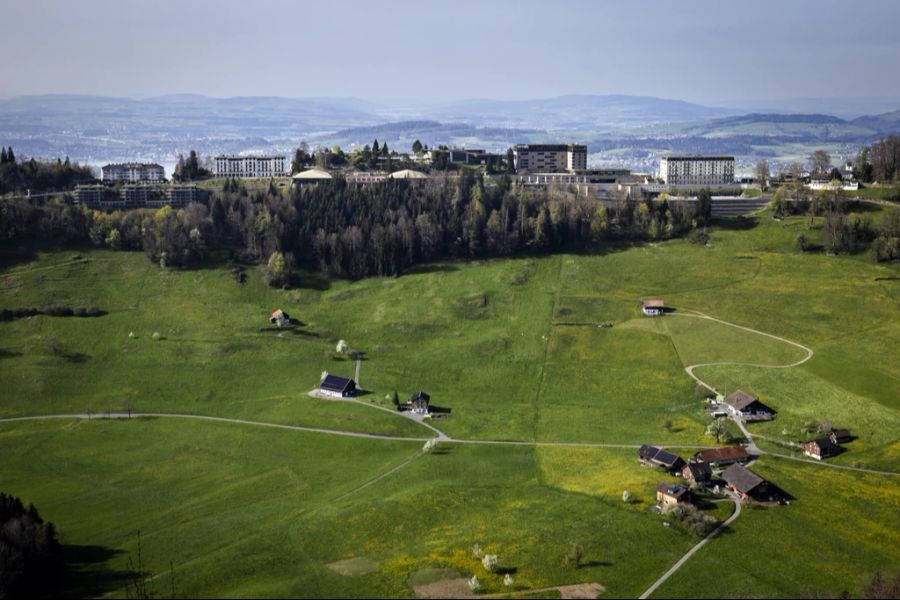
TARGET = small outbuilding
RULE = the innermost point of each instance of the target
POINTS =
(743, 481)
(657, 457)
(336, 386)
(310, 177)
(748, 408)
(418, 403)
(841, 436)
(821, 448)
(654, 308)
(723, 456)
(697, 472)
(408, 174)
(279, 317)
(670, 494)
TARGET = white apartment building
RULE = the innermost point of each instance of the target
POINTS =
(696, 169)
(133, 172)
(550, 158)
(250, 166)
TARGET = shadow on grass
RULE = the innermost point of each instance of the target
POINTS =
(86, 574)
(431, 268)
(4, 353)
(740, 223)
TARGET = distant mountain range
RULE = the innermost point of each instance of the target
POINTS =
(626, 130)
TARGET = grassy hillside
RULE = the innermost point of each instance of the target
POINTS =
(539, 349)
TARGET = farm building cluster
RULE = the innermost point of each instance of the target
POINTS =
(712, 469)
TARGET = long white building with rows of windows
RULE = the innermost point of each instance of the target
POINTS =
(250, 166)
(133, 172)
(696, 169)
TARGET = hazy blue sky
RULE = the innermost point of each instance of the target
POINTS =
(708, 52)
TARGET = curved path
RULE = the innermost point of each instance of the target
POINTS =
(376, 436)
(692, 551)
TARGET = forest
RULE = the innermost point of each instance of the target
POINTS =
(347, 230)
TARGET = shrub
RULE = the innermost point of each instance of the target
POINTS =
(474, 584)
(490, 562)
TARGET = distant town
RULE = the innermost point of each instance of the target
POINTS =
(144, 185)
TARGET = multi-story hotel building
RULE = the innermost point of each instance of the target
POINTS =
(696, 169)
(550, 158)
(250, 166)
(133, 172)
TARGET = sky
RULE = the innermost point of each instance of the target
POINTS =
(709, 52)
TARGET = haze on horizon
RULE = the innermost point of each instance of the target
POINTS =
(707, 52)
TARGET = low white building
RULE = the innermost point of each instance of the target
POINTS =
(250, 166)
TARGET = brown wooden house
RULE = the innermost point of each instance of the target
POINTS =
(697, 472)
(821, 448)
(725, 455)
(744, 482)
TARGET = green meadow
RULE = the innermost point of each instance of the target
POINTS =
(536, 349)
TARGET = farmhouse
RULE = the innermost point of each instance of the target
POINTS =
(743, 481)
(653, 308)
(723, 456)
(335, 386)
(670, 494)
(821, 448)
(697, 472)
(418, 403)
(657, 457)
(744, 406)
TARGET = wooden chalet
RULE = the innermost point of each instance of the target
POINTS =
(723, 456)
(743, 481)
(418, 403)
(657, 457)
(670, 494)
(748, 408)
(335, 386)
(821, 448)
(654, 308)
(697, 472)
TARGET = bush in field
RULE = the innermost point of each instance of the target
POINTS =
(490, 562)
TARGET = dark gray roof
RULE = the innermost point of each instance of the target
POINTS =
(698, 470)
(420, 396)
(336, 383)
(741, 478)
(740, 399)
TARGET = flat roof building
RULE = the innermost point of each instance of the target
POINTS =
(250, 166)
(133, 172)
(696, 169)
(550, 158)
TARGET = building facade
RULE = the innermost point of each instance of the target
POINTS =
(695, 169)
(550, 158)
(133, 172)
(250, 166)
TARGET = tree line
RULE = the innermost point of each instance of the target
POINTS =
(40, 176)
(349, 230)
(30, 554)
(879, 162)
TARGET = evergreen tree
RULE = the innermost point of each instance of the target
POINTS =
(10, 157)
(417, 147)
(375, 149)
(3, 156)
